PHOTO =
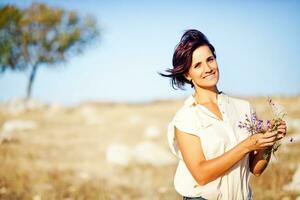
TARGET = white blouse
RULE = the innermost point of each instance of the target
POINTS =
(217, 137)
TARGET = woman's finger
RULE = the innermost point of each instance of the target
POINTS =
(281, 130)
(282, 126)
(269, 134)
(269, 144)
(280, 136)
(282, 122)
(270, 139)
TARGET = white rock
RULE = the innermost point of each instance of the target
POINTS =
(10, 127)
(53, 109)
(32, 104)
(295, 184)
(15, 106)
(19, 125)
(18, 106)
(162, 189)
(151, 153)
(119, 154)
(152, 132)
(135, 119)
(90, 116)
(146, 152)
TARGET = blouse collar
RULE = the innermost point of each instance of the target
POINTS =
(190, 101)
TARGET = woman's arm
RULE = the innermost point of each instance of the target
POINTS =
(257, 163)
(205, 171)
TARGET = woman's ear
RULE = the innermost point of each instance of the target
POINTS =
(187, 76)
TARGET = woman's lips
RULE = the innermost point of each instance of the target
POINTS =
(210, 76)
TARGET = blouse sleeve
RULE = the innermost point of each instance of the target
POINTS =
(183, 120)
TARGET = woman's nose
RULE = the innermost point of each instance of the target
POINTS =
(207, 67)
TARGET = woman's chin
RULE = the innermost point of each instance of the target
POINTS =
(209, 84)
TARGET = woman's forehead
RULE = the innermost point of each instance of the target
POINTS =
(201, 53)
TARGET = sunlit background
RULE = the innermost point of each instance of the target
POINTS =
(257, 45)
(95, 126)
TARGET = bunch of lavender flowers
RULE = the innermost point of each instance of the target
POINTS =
(255, 125)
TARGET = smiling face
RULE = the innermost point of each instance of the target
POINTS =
(203, 71)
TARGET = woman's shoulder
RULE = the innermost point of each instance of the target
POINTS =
(185, 110)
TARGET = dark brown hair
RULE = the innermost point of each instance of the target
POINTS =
(182, 57)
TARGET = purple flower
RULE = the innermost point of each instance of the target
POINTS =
(268, 124)
(255, 125)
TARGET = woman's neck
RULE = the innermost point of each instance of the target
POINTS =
(204, 96)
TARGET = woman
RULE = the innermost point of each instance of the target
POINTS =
(215, 156)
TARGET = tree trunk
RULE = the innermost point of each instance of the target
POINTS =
(31, 79)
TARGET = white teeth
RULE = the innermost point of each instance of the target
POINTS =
(210, 76)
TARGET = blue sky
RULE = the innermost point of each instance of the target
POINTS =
(257, 47)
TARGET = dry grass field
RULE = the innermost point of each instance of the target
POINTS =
(62, 154)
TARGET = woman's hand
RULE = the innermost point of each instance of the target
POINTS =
(259, 159)
(281, 130)
(261, 141)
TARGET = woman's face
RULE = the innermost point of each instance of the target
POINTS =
(204, 70)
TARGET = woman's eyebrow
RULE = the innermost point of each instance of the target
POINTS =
(200, 61)
(196, 64)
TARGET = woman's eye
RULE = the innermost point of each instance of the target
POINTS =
(197, 66)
